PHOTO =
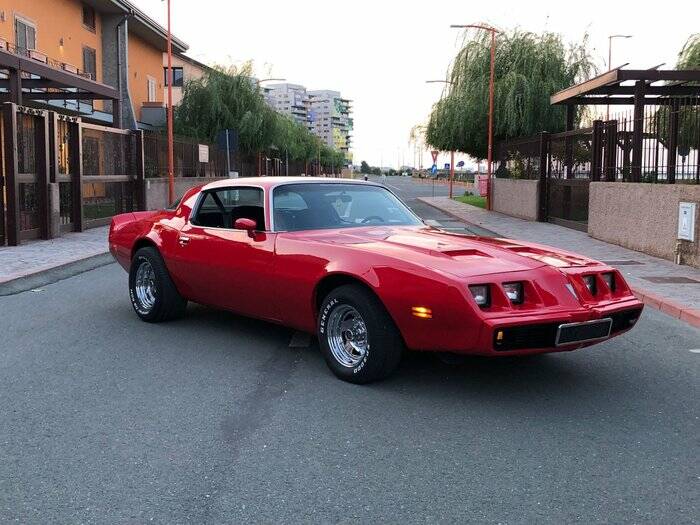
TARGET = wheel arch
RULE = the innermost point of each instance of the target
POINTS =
(331, 281)
(143, 242)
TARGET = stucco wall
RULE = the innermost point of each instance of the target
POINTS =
(145, 61)
(190, 71)
(157, 189)
(55, 20)
(516, 197)
(643, 217)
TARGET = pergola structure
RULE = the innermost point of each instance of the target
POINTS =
(41, 79)
(638, 88)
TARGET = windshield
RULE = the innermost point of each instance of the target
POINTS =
(312, 206)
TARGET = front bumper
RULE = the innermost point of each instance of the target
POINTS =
(538, 334)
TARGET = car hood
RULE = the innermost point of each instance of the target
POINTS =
(459, 255)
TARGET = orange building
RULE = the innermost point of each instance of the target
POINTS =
(90, 47)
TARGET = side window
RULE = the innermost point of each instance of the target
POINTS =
(221, 208)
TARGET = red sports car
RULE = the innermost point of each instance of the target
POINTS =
(348, 261)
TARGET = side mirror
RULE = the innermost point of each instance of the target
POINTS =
(245, 224)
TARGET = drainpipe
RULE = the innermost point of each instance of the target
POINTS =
(678, 252)
(119, 64)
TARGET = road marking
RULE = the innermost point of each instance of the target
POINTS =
(695, 351)
(392, 186)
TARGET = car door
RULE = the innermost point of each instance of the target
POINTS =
(224, 267)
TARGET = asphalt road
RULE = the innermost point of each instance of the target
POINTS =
(214, 419)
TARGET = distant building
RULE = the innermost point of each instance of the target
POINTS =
(324, 112)
(289, 99)
(331, 121)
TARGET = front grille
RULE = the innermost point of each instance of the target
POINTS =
(526, 336)
(544, 335)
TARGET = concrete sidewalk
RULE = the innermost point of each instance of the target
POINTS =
(38, 262)
(643, 272)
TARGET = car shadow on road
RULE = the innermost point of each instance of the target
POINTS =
(564, 375)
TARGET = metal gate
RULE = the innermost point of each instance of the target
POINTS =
(569, 167)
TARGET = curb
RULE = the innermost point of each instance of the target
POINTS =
(55, 274)
(672, 308)
(487, 232)
(690, 316)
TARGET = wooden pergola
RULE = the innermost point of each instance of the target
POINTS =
(638, 88)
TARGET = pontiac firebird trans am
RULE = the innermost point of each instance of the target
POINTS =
(348, 261)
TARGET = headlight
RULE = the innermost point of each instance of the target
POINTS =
(480, 293)
(589, 280)
(609, 279)
(514, 291)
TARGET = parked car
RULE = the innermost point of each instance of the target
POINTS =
(349, 262)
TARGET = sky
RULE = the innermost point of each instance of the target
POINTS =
(380, 53)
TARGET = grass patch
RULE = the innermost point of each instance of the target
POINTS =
(474, 200)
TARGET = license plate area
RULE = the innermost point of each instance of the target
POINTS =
(573, 333)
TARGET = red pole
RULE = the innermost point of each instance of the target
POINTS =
(490, 150)
(171, 159)
(452, 170)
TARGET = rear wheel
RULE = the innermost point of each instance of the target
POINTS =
(151, 290)
(358, 338)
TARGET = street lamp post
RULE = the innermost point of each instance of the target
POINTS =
(452, 152)
(493, 32)
(610, 39)
(171, 155)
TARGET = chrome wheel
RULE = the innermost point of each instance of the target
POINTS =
(347, 336)
(145, 286)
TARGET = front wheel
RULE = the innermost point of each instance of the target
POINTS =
(358, 338)
(151, 290)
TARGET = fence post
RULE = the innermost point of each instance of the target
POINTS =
(138, 158)
(610, 150)
(672, 141)
(42, 175)
(569, 142)
(638, 131)
(542, 206)
(75, 150)
(11, 169)
(597, 147)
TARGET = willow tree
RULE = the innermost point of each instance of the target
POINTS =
(687, 115)
(230, 98)
(528, 69)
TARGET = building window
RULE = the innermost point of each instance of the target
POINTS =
(25, 35)
(178, 76)
(89, 17)
(90, 62)
(151, 87)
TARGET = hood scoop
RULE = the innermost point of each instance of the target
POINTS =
(468, 253)
(557, 260)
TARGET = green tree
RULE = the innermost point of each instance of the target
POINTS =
(365, 168)
(688, 129)
(229, 97)
(528, 69)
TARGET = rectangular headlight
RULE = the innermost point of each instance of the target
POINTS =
(480, 293)
(514, 292)
(609, 279)
(589, 280)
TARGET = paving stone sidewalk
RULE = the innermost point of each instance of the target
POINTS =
(38, 256)
(681, 300)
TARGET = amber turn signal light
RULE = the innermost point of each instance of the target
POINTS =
(422, 311)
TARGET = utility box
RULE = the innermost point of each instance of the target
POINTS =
(686, 221)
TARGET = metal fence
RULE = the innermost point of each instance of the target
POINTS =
(186, 157)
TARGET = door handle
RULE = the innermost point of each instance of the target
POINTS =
(183, 240)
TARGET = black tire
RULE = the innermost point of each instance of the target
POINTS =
(385, 347)
(167, 302)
